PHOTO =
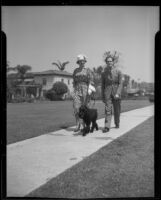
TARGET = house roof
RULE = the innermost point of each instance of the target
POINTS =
(15, 75)
(53, 72)
(48, 72)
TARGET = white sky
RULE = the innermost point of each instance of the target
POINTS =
(40, 35)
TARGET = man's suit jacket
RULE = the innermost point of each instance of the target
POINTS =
(111, 81)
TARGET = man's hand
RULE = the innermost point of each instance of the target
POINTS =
(117, 96)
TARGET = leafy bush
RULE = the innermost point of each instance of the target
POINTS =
(135, 98)
(18, 100)
(52, 96)
(49, 94)
(98, 93)
(151, 98)
(21, 100)
(31, 91)
(60, 88)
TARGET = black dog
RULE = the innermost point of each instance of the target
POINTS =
(88, 115)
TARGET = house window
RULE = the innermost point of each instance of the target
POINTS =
(68, 82)
(62, 80)
(44, 81)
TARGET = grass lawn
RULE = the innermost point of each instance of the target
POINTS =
(123, 168)
(27, 120)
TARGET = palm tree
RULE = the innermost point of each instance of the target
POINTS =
(61, 66)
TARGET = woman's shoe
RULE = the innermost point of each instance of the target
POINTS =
(117, 126)
(77, 129)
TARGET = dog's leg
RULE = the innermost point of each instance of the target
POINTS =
(88, 128)
(96, 126)
(92, 128)
(82, 125)
(84, 131)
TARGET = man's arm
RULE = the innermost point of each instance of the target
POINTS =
(120, 78)
(102, 86)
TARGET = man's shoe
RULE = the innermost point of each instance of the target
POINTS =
(117, 126)
(105, 130)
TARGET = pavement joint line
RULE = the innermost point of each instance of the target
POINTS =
(31, 163)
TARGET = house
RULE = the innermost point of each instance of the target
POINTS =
(45, 79)
(27, 82)
(49, 77)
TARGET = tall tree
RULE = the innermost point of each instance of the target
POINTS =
(22, 70)
(126, 80)
(97, 71)
(9, 68)
(11, 84)
(61, 66)
(21, 74)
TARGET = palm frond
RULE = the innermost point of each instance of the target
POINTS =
(60, 65)
(65, 63)
(54, 63)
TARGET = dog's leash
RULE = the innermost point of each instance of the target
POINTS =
(89, 96)
(93, 102)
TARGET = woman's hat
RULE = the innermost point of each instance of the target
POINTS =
(81, 57)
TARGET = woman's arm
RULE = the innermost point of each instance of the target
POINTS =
(90, 76)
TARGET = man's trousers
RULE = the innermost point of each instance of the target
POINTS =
(108, 111)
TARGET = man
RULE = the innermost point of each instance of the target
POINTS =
(111, 80)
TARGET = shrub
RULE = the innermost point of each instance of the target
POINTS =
(98, 93)
(18, 100)
(22, 99)
(49, 94)
(151, 98)
(60, 88)
(135, 98)
(31, 91)
(52, 96)
(69, 97)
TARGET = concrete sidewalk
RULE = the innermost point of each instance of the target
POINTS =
(33, 162)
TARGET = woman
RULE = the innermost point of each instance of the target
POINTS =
(82, 77)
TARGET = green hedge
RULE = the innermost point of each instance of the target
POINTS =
(60, 88)
(52, 96)
(21, 100)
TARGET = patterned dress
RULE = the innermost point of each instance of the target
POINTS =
(81, 80)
